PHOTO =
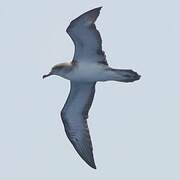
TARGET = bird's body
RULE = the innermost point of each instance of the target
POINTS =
(89, 65)
(86, 72)
(93, 72)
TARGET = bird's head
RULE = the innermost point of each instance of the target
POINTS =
(59, 69)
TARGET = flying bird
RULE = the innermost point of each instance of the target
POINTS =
(89, 65)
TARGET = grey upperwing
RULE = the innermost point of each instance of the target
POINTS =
(86, 38)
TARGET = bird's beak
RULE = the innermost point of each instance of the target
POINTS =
(46, 75)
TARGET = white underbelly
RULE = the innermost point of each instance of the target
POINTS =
(89, 73)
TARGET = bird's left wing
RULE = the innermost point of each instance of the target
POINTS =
(86, 38)
(74, 116)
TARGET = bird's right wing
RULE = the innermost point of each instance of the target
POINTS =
(74, 116)
(86, 38)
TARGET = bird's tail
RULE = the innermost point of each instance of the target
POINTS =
(123, 75)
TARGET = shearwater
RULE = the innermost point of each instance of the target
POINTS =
(89, 65)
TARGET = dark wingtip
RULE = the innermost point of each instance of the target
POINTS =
(90, 161)
(97, 9)
(94, 167)
(93, 13)
(92, 164)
